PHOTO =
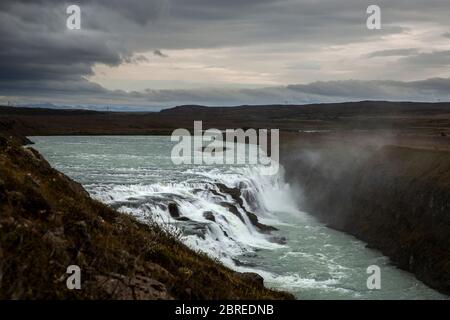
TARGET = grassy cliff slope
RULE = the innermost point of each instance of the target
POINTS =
(48, 222)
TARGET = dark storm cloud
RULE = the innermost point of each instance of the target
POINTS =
(37, 46)
(39, 56)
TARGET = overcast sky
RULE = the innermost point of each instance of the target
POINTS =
(217, 52)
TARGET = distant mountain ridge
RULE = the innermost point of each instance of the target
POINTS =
(196, 107)
(431, 119)
(99, 108)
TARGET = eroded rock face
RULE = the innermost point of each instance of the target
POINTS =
(139, 287)
(209, 216)
(235, 193)
(396, 199)
(262, 227)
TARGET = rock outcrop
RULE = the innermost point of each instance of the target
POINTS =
(235, 193)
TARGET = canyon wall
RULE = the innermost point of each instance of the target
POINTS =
(396, 199)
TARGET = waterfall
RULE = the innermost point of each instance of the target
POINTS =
(216, 208)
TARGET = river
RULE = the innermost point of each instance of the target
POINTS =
(135, 175)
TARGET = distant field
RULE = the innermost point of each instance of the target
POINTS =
(423, 125)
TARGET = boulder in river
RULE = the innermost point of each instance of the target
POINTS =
(209, 216)
(173, 210)
(252, 277)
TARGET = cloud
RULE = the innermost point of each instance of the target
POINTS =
(87, 93)
(435, 59)
(37, 45)
(424, 90)
(394, 53)
(331, 91)
(41, 59)
(159, 53)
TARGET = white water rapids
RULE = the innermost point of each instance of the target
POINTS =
(136, 176)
